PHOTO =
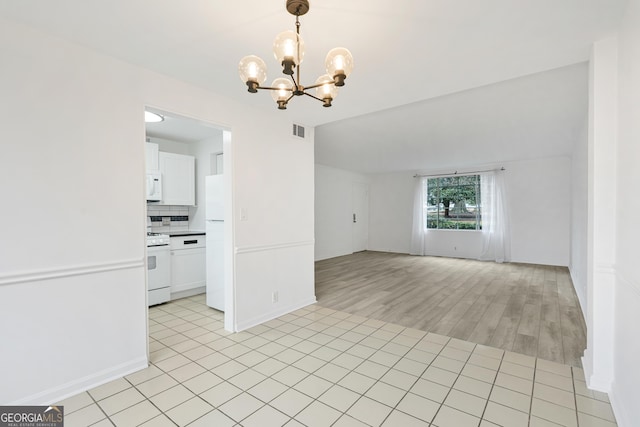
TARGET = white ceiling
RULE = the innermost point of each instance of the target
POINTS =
(405, 52)
(530, 117)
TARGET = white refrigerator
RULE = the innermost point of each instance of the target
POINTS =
(214, 223)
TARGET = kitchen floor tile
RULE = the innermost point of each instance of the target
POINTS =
(316, 367)
(313, 386)
(555, 413)
(202, 382)
(553, 367)
(449, 417)
(120, 401)
(595, 407)
(76, 402)
(553, 380)
(448, 364)
(266, 417)
(587, 420)
(247, 379)
(339, 398)
(357, 382)
(511, 382)
(83, 417)
(418, 407)
(348, 421)
(189, 411)
(371, 369)
(440, 376)
(157, 385)
(398, 418)
(109, 389)
(290, 376)
(331, 372)
(386, 394)
(221, 393)
(186, 372)
(554, 395)
(136, 414)
(318, 414)
(430, 390)
(171, 397)
(510, 398)
(267, 390)
(516, 370)
(465, 402)
(504, 416)
(369, 411)
(291, 402)
(269, 367)
(214, 418)
(241, 406)
(309, 364)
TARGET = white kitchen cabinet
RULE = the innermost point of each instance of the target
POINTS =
(152, 151)
(188, 265)
(178, 179)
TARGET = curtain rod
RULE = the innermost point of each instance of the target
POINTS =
(457, 173)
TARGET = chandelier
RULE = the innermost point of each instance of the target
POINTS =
(288, 48)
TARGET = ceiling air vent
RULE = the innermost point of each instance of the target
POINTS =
(298, 130)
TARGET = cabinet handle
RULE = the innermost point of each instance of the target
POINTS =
(190, 242)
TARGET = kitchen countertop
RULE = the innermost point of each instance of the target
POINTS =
(184, 233)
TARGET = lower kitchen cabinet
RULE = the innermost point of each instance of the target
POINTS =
(188, 264)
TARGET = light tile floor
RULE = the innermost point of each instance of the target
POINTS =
(320, 367)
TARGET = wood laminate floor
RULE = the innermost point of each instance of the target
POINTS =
(524, 308)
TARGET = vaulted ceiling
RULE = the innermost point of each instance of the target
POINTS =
(415, 60)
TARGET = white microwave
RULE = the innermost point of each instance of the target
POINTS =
(154, 186)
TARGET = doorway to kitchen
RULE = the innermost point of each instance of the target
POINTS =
(188, 212)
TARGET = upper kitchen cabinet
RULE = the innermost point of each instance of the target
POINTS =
(152, 156)
(178, 179)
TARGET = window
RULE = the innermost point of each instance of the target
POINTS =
(453, 203)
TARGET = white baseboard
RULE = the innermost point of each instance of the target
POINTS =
(250, 323)
(188, 292)
(71, 388)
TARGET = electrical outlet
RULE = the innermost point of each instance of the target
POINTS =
(244, 214)
(274, 297)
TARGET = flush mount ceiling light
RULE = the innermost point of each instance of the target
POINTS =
(150, 117)
(288, 48)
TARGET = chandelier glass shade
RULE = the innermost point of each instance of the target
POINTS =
(288, 49)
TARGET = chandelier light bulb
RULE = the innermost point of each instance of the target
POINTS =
(288, 48)
(281, 92)
(339, 64)
(253, 72)
(327, 91)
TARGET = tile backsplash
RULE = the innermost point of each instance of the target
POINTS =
(163, 218)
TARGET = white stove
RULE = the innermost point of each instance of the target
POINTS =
(158, 268)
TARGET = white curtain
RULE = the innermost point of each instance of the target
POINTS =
(495, 224)
(419, 226)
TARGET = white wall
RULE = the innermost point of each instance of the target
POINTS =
(539, 201)
(333, 215)
(391, 212)
(72, 308)
(626, 350)
(539, 204)
(579, 217)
